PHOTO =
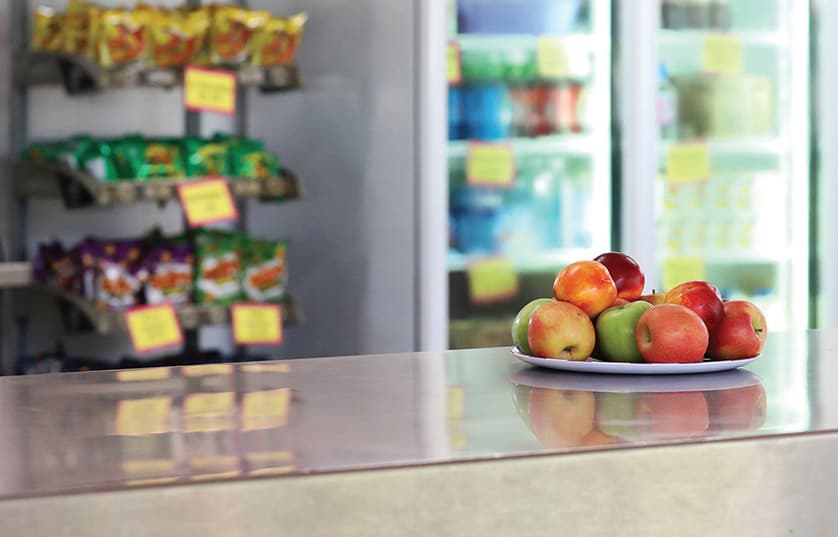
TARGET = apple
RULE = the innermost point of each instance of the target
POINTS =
(670, 415)
(597, 438)
(615, 413)
(701, 297)
(670, 333)
(561, 330)
(560, 418)
(626, 274)
(620, 301)
(654, 298)
(737, 409)
(615, 329)
(740, 334)
(522, 321)
(586, 284)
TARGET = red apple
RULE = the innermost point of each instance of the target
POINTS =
(621, 301)
(561, 330)
(586, 284)
(626, 273)
(740, 334)
(561, 418)
(597, 438)
(701, 297)
(670, 415)
(669, 333)
(737, 409)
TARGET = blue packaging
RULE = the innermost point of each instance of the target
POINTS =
(534, 17)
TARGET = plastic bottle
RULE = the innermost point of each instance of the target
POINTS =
(456, 123)
(667, 105)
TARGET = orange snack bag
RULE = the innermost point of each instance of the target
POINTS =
(46, 29)
(277, 42)
(230, 32)
(78, 29)
(121, 36)
(174, 38)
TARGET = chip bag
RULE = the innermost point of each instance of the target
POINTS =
(97, 159)
(118, 283)
(81, 20)
(121, 36)
(175, 37)
(217, 268)
(265, 270)
(168, 274)
(276, 43)
(47, 30)
(231, 30)
(206, 158)
(160, 159)
(251, 163)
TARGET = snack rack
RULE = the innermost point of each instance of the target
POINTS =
(31, 180)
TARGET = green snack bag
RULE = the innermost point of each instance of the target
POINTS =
(128, 154)
(253, 163)
(161, 159)
(205, 158)
(96, 159)
(217, 268)
(265, 270)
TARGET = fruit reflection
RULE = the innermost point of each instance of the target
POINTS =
(562, 418)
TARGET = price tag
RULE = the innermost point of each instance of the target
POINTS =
(455, 67)
(680, 269)
(490, 165)
(153, 327)
(207, 201)
(687, 162)
(552, 57)
(265, 409)
(491, 280)
(143, 416)
(136, 375)
(209, 90)
(256, 324)
(722, 54)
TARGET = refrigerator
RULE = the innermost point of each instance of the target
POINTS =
(528, 154)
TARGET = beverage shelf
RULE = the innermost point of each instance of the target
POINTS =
(79, 314)
(748, 146)
(79, 189)
(541, 262)
(80, 75)
(572, 144)
(668, 37)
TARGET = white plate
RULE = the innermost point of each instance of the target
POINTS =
(592, 365)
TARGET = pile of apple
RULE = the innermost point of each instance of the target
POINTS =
(598, 308)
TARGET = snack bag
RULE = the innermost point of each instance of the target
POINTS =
(175, 37)
(168, 274)
(47, 27)
(54, 266)
(265, 270)
(128, 155)
(217, 268)
(251, 163)
(205, 158)
(86, 256)
(231, 30)
(277, 42)
(160, 159)
(79, 28)
(97, 159)
(118, 280)
(121, 36)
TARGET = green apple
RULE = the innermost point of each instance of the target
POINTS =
(615, 328)
(616, 413)
(522, 321)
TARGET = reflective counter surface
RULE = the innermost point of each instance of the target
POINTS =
(169, 426)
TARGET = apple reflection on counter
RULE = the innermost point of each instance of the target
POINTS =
(576, 410)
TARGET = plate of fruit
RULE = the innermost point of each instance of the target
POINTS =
(599, 321)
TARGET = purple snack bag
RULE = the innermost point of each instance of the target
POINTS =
(169, 270)
(118, 278)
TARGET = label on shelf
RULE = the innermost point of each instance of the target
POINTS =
(722, 54)
(552, 57)
(687, 162)
(680, 269)
(455, 66)
(210, 90)
(207, 201)
(256, 324)
(491, 165)
(153, 327)
(491, 280)
(143, 416)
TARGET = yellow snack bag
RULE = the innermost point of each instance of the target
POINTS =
(76, 29)
(276, 43)
(176, 37)
(46, 30)
(121, 36)
(231, 31)
(294, 30)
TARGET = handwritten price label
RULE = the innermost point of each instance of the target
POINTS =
(209, 90)
(455, 66)
(722, 54)
(492, 280)
(207, 201)
(490, 165)
(552, 57)
(687, 162)
(153, 328)
(257, 324)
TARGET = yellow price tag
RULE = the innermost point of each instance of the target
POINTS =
(256, 324)
(687, 162)
(143, 416)
(265, 409)
(455, 403)
(209, 90)
(722, 54)
(153, 327)
(207, 202)
(455, 68)
(491, 280)
(136, 375)
(490, 165)
(206, 370)
(680, 269)
(552, 57)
